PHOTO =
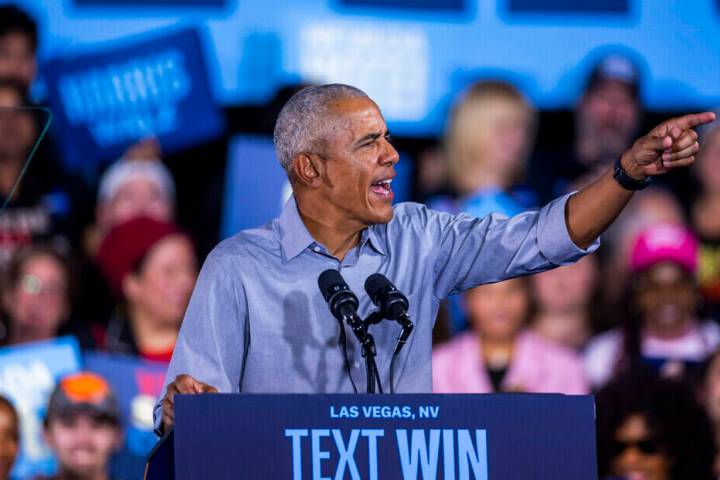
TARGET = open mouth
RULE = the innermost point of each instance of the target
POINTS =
(382, 188)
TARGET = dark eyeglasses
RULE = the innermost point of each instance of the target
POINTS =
(648, 447)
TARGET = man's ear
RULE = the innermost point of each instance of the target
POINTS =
(307, 169)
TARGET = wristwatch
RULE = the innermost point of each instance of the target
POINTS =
(626, 181)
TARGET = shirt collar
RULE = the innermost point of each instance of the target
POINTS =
(294, 236)
(372, 236)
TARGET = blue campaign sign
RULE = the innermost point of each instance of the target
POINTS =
(256, 186)
(138, 384)
(486, 437)
(28, 375)
(154, 86)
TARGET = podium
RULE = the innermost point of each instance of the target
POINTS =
(404, 436)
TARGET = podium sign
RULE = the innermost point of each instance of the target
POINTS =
(513, 436)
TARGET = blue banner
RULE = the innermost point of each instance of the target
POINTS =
(28, 375)
(486, 437)
(138, 384)
(105, 101)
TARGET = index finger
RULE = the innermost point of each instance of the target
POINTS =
(691, 120)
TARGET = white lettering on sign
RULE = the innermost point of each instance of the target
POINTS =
(390, 62)
(125, 101)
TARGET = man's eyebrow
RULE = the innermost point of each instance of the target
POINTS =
(372, 136)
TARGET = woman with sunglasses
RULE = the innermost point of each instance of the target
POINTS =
(652, 429)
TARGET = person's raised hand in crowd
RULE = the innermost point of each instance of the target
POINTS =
(183, 384)
(672, 144)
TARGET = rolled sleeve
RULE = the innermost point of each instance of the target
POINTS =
(553, 237)
(473, 251)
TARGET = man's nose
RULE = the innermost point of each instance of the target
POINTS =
(390, 156)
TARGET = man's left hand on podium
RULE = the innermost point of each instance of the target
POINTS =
(183, 384)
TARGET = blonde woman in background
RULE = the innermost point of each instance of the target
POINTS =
(487, 141)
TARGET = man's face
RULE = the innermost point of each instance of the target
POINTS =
(358, 164)
(609, 113)
(134, 198)
(17, 58)
(82, 443)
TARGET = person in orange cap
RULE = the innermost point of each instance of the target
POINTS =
(83, 427)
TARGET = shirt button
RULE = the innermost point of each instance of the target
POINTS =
(316, 249)
(356, 365)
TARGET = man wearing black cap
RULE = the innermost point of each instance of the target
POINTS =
(607, 119)
(82, 427)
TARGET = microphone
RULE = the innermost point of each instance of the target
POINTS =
(342, 301)
(343, 304)
(387, 297)
(392, 304)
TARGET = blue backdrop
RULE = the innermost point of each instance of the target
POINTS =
(414, 55)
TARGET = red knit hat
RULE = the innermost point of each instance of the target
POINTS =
(126, 244)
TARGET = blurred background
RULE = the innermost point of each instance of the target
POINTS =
(159, 146)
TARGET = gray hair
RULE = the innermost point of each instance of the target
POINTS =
(302, 122)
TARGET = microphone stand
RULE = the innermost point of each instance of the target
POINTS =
(367, 343)
(407, 328)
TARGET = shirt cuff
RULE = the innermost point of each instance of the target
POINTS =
(157, 420)
(553, 237)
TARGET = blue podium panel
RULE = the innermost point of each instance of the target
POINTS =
(497, 437)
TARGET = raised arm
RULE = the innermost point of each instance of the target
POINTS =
(672, 144)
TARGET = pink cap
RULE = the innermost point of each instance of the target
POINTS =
(664, 242)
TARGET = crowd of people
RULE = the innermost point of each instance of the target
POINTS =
(635, 323)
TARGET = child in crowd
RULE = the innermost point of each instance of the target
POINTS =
(500, 353)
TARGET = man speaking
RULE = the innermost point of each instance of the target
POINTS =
(257, 321)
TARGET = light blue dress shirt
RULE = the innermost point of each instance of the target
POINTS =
(257, 321)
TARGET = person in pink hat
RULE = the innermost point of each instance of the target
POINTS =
(661, 330)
